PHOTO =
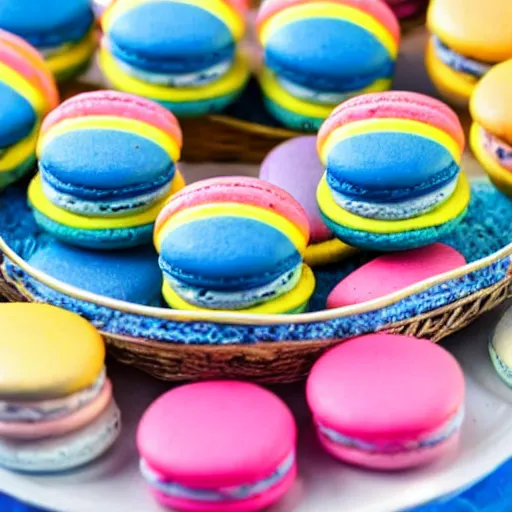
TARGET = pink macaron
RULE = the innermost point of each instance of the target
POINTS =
(392, 272)
(220, 446)
(387, 402)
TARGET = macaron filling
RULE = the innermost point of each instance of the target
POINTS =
(497, 148)
(236, 299)
(399, 209)
(223, 494)
(313, 95)
(45, 410)
(390, 447)
(458, 62)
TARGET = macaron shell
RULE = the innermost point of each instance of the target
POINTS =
(219, 433)
(385, 386)
(390, 273)
(480, 33)
(500, 349)
(491, 103)
(330, 251)
(53, 355)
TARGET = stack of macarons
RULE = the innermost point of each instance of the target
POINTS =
(57, 409)
(318, 54)
(62, 31)
(491, 133)
(234, 243)
(182, 54)
(468, 38)
(404, 196)
(27, 94)
(107, 164)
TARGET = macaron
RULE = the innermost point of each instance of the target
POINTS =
(132, 145)
(317, 55)
(405, 9)
(295, 167)
(388, 402)
(62, 31)
(27, 93)
(153, 48)
(234, 243)
(132, 276)
(491, 132)
(405, 197)
(57, 411)
(500, 348)
(393, 272)
(468, 38)
(100, 6)
(221, 446)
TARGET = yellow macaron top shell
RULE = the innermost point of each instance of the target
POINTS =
(46, 352)
(491, 102)
(473, 28)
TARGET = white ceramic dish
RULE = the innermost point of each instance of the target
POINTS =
(113, 483)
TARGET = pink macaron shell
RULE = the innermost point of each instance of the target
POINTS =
(392, 272)
(255, 503)
(390, 462)
(119, 104)
(376, 8)
(216, 434)
(385, 387)
(58, 427)
(237, 189)
(394, 104)
(407, 8)
(295, 167)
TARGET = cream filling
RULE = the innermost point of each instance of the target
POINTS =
(304, 93)
(497, 148)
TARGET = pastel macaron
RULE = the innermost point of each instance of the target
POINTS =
(295, 167)
(221, 446)
(107, 163)
(27, 93)
(405, 197)
(500, 348)
(390, 273)
(318, 54)
(491, 132)
(57, 411)
(467, 40)
(131, 276)
(153, 48)
(234, 243)
(387, 402)
(61, 30)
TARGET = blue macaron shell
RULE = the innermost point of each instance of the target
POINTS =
(354, 59)
(95, 163)
(410, 166)
(47, 23)
(227, 253)
(133, 275)
(17, 116)
(170, 37)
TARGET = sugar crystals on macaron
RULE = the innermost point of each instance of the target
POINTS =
(234, 243)
(405, 196)
(318, 54)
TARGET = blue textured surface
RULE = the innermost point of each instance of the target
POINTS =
(355, 59)
(17, 116)
(170, 37)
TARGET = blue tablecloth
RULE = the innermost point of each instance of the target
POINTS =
(493, 494)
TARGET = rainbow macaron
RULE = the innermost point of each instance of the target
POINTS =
(386, 401)
(155, 48)
(27, 93)
(468, 38)
(107, 163)
(57, 410)
(405, 197)
(491, 133)
(318, 54)
(62, 31)
(219, 446)
(234, 243)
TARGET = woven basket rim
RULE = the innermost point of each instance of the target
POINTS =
(243, 318)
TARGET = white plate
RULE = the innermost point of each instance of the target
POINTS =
(113, 483)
